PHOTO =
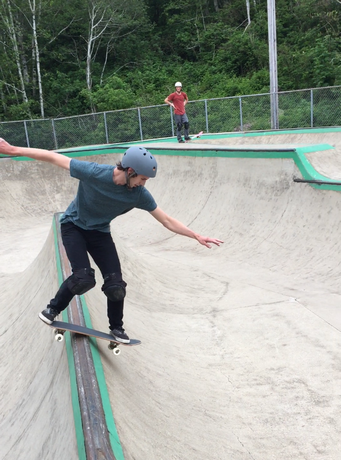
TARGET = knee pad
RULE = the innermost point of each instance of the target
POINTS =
(81, 281)
(186, 125)
(114, 287)
(179, 125)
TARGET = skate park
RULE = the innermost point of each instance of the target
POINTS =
(240, 344)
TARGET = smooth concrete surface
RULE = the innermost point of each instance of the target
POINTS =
(240, 344)
(36, 420)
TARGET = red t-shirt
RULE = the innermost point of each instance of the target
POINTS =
(178, 101)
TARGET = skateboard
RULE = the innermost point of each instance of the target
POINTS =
(60, 328)
(196, 136)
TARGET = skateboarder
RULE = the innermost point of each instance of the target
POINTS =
(178, 101)
(104, 192)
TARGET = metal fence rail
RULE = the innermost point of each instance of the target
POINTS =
(307, 108)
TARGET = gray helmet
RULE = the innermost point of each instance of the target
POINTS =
(140, 160)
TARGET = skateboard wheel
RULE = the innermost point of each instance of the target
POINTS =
(59, 336)
(114, 348)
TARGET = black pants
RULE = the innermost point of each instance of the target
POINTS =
(181, 120)
(100, 245)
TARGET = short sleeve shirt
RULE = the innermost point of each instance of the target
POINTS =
(178, 101)
(99, 200)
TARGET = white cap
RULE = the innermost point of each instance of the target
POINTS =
(178, 83)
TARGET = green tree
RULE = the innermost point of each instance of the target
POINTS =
(114, 95)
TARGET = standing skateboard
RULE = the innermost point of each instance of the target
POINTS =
(60, 328)
(196, 136)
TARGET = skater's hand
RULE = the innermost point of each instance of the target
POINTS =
(206, 240)
(6, 148)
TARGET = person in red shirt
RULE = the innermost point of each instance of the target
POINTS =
(178, 101)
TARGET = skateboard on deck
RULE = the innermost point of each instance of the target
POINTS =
(196, 136)
(60, 328)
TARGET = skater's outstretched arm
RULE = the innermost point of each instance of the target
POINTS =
(37, 154)
(178, 227)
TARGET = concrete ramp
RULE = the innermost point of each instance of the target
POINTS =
(240, 344)
(36, 412)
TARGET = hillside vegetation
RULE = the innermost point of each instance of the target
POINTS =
(68, 58)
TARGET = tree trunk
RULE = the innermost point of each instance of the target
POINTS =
(97, 26)
(9, 21)
(248, 13)
(32, 5)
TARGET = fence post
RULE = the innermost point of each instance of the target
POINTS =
(106, 127)
(140, 123)
(311, 108)
(26, 134)
(172, 120)
(241, 114)
(206, 115)
(54, 134)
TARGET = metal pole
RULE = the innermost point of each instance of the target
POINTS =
(140, 123)
(206, 115)
(311, 108)
(241, 114)
(26, 134)
(54, 134)
(106, 128)
(172, 122)
(272, 38)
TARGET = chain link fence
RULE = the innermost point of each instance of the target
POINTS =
(308, 108)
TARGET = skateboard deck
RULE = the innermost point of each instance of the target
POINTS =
(60, 328)
(196, 136)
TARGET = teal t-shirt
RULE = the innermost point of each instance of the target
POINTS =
(99, 200)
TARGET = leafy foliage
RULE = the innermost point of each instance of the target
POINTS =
(147, 45)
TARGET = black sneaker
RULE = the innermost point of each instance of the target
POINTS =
(187, 138)
(119, 335)
(48, 315)
(181, 141)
